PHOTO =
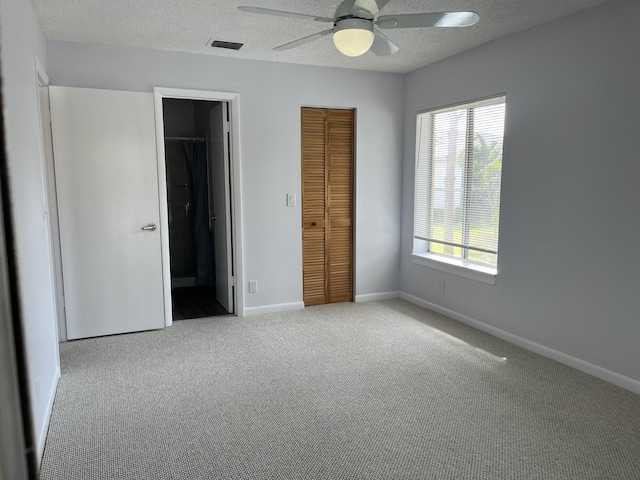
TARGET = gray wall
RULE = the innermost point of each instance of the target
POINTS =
(22, 41)
(569, 266)
(271, 95)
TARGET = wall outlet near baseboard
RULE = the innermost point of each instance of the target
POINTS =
(442, 285)
(253, 286)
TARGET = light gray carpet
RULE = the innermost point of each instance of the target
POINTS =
(381, 390)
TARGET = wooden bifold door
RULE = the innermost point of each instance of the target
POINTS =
(327, 205)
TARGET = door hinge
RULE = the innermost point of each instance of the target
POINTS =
(233, 281)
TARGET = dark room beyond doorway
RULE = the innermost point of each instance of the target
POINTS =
(196, 158)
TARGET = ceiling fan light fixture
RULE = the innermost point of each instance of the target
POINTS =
(353, 36)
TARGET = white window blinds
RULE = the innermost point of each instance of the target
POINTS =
(458, 174)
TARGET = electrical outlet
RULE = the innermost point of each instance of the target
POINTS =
(291, 199)
(253, 286)
(442, 285)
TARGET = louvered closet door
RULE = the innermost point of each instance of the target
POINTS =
(340, 204)
(327, 205)
(313, 205)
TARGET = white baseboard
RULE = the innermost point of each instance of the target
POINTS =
(278, 307)
(578, 364)
(42, 434)
(369, 297)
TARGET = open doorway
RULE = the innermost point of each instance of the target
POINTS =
(197, 156)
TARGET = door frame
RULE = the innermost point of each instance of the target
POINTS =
(50, 197)
(159, 93)
(17, 452)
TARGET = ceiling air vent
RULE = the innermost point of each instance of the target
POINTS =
(227, 45)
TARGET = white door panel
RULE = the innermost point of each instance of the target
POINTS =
(107, 185)
(222, 206)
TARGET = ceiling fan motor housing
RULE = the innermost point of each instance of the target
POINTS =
(353, 23)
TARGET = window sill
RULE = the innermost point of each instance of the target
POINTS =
(458, 267)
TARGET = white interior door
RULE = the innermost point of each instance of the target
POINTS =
(49, 188)
(222, 205)
(107, 185)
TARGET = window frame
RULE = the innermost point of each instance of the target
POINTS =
(421, 255)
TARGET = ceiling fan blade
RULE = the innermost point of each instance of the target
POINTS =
(419, 20)
(303, 40)
(364, 8)
(382, 46)
(281, 13)
(381, 4)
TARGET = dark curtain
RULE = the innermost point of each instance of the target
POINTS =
(197, 159)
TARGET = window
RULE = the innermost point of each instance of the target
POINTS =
(457, 196)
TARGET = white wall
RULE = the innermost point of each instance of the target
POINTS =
(569, 264)
(271, 95)
(22, 39)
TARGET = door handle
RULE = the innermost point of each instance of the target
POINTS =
(151, 227)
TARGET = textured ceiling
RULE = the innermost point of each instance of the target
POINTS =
(187, 26)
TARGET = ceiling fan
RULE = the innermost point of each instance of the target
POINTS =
(356, 25)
